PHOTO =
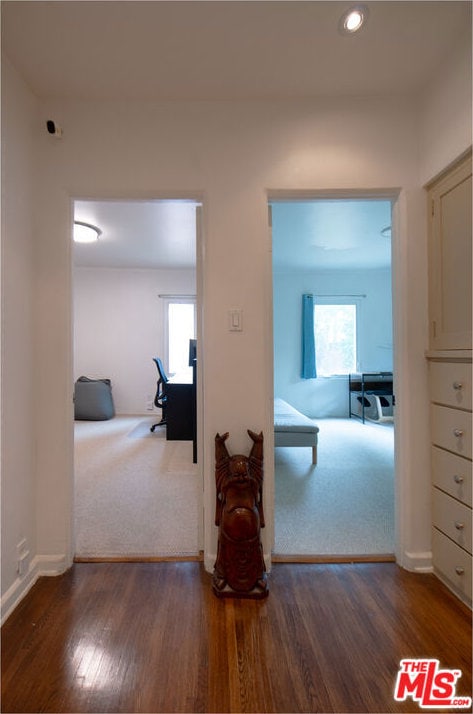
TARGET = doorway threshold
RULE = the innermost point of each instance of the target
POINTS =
(178, 557)
(363, 558)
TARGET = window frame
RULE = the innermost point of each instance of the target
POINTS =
(172, 300)
(341, 300)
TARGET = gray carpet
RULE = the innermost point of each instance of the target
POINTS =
(136, 494)
(345, 504)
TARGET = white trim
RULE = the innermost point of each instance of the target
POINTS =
(209, 561)
(418, 562)
(198, 299)
(41, 565)
(400, 341)
(177, 298)
(412, 450)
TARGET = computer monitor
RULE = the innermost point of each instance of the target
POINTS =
(192, 352)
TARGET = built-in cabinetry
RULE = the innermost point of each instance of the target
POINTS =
(450, 394)
(450, 205)
(450, 370)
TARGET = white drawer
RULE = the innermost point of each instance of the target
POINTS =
(452, 518)
(452, 562)
(451, 429)
(450, 384)
(452, 474)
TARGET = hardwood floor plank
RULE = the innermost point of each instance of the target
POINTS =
(152, 637)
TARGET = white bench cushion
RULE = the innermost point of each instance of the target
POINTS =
(288, 419)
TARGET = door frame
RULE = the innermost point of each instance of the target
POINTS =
(399, 290)
(198, 198)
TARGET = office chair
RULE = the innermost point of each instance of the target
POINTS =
(160, 399)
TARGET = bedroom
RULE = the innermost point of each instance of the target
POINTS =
(338, 252)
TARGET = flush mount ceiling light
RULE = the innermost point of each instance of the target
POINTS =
(353, 19)
(86, 232)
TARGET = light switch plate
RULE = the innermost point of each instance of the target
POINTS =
(235, 321)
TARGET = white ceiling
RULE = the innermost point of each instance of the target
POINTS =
(138, 234)
(221, 50)
(326, 234)
(331, 235)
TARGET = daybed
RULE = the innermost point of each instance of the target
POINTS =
(291, 428)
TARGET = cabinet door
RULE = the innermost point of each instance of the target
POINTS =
(450, 298)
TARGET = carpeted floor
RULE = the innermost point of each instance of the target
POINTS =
(345, 504)
(137, 495)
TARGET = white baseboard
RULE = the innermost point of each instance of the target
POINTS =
(209, 561)
(417, 562)
(40, 565)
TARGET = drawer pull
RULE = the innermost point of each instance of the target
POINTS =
(457, 385)
(458, 479)
(458, 432)
(459, 525)
(459, 570)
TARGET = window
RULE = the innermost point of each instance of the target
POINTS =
(335, 338)
(179, 328)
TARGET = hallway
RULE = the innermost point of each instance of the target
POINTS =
(152, 637)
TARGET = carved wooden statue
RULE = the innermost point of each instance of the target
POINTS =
(239, 569)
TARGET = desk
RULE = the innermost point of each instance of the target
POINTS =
(359, 385)
(181, 408)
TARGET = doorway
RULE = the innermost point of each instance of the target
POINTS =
(129, 480)
(338, 251)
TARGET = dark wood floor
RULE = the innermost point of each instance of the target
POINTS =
(152, 637)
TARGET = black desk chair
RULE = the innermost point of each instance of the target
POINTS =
(160, 399)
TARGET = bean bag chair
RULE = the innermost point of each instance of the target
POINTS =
(93, 399)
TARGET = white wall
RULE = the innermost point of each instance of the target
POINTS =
(230, 155)
(18, 330)
(119, 328)
(323, 397)
(445, 112)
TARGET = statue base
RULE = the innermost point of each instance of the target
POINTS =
(259, 592)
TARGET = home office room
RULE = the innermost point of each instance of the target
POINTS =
(130, 275)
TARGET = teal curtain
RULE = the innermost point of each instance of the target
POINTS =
(309, 370)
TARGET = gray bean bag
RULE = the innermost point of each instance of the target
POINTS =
(93, 399)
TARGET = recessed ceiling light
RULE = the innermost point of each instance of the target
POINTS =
(353, 19)
(86, 232)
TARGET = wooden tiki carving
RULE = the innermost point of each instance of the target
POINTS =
(239, 569)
